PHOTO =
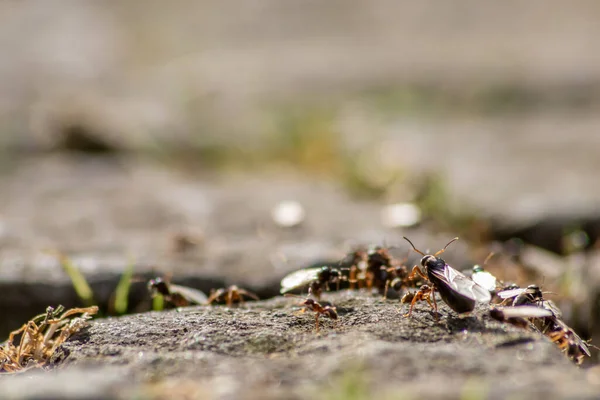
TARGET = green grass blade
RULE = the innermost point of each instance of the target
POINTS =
(80, 284)
(158, 303)
(122, 290)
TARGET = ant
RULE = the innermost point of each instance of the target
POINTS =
(423, 294)
(377, 268)
(316, 278)
(457, 291)
(179, 296)
(312, 305)
(358, 268)
(230, 295)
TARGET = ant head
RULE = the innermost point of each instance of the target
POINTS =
(308, 302)
(427, 260)
(511, 286)
(336, 272)
(158, 285)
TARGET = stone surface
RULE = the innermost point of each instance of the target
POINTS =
(106, 214)
(265, 350)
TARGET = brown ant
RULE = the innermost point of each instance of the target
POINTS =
(377, 268)
(423, 294)
(358, 268)
(312, 305)
(230, 295)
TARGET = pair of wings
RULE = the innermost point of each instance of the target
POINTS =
(462, 284)
(190, 294)
(299, 278)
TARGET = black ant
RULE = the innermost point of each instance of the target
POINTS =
(458, 291)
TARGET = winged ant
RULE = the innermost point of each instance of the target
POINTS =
(179, 296)
(316, 278)
(532, 294)
(457, 291)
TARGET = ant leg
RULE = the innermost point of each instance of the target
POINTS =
(229, 298)
(317, 321)
(432, 294)
(416, 271)
(352, 276)
(412, 304)
(387, 285)
(302, 311)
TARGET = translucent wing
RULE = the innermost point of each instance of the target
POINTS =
(299, 278)
(506, 294)
(525, 312)
(485, 279)
(552, 307)
(190, 294)
(463, 285)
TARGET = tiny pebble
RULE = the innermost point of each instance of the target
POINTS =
(288, 214)
(400, 215)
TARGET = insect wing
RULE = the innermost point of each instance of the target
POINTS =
(507, 294)
(485, 279)
(552, 307)
(525, 312)
(299, 278)
(190, 294)
(461, 284)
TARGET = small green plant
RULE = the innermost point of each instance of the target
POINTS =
(122, 290)
(80, 284)
(158, 302)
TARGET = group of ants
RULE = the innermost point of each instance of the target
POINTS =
(377, 269)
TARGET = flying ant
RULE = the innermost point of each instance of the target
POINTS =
(179, 296)
(532, 294)
(568, 341)
(230, 295)
(560, 333)
(316, 278)
(312, 305)
(457, 291)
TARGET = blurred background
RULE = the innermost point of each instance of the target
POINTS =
(168, 134)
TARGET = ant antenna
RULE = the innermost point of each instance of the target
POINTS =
(413, 246)
(445, 247)
(488, 258)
